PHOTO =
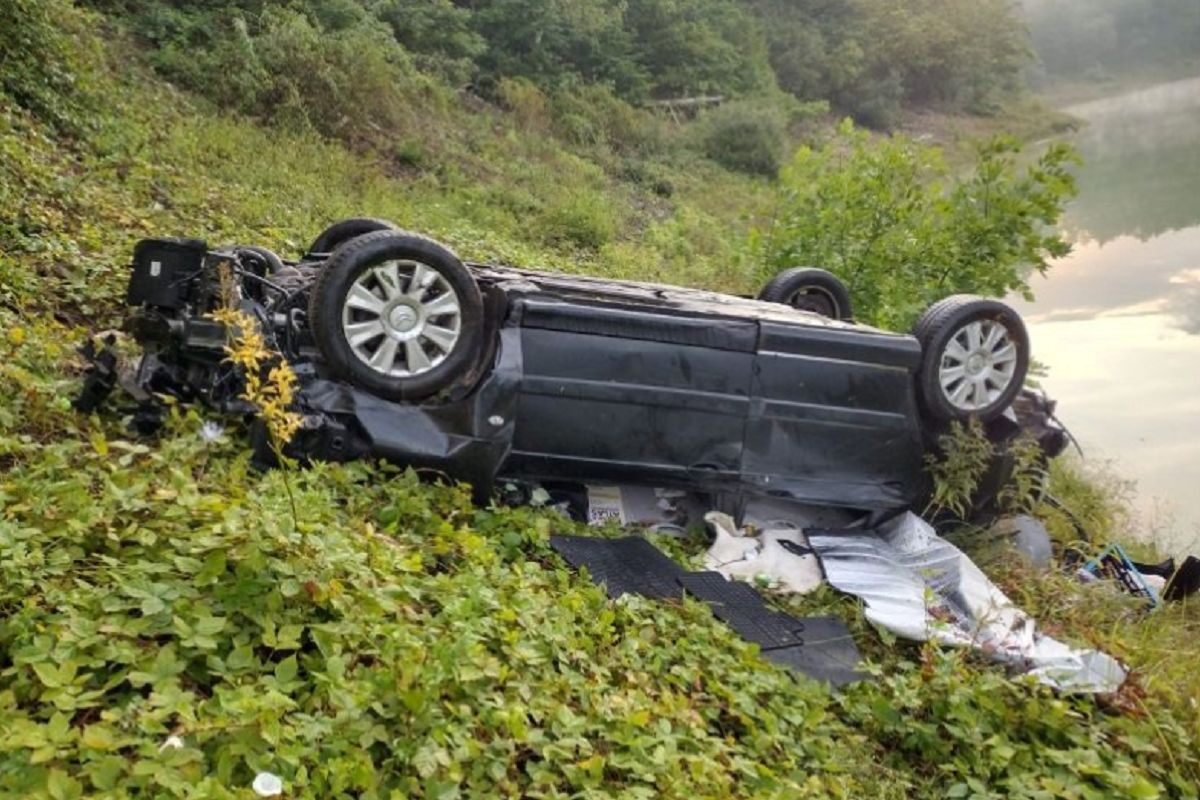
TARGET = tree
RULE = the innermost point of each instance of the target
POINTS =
(699, 46)
(558, 42)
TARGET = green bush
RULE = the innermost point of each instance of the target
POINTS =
(595, 115)
(746, 136)
(578, 219)
(890, 219)
(875, 102)
(525, 101)
(283, 66)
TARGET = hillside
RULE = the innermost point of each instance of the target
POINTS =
(363, 634)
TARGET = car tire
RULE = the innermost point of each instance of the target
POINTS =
(975, 356)
(809, 289)
(397, 314)
(341, 232)
(266, 261)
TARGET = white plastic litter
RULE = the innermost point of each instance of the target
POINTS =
(919, 586)
(212, 431)
(267, 784)
(763, 558)
(171, 743)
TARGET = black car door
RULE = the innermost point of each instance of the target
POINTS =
(613, 392)
(833, 417)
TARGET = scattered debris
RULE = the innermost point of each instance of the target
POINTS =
(267, 784)
(1185, 581)
(657, 509)
(1154, 582)
(778, 559)
(921, 587)
(629, 565)
(172, 742)
(1029, 538)
(1114, 564)
(212, 431)
(820, 647)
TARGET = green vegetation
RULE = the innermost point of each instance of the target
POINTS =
(1097, 40)
(315, 62)
(890, 220)
(363, 634)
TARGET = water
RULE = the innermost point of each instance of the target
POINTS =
(1118, 320)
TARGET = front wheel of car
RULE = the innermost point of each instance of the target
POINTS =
(975, 356)
(397, 314)
(809, 289)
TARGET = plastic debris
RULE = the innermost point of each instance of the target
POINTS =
(1114, 563)
(171, 743)
(267, 784)
(212, 431)
(1029, 537)
(777, 559)
(921, 587)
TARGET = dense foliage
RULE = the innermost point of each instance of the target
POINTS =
(902, 231)
(1098, 39)
(865, 57)
(42, 69)
(872, 57)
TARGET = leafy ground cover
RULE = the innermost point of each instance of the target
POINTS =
(385, 638)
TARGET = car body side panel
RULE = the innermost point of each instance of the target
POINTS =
(643, 400)
(833, 418)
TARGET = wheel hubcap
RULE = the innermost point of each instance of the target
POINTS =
(978, 365)
(401, 318)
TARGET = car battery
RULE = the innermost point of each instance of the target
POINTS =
(162, 271)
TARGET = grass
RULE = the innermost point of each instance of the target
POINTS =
(388, 639)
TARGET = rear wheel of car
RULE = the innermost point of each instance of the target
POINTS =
(341, 232)
(260, 260)
(809, 289)
(975, 358)
(397, 314)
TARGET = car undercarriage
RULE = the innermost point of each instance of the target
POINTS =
(490, 374)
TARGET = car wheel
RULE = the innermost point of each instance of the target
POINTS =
(975, 358)
(263, 261)
(342, 232)
(809, 289)
(397, 314)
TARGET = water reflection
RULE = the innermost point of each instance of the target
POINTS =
(1142, 156)
(1118, 320)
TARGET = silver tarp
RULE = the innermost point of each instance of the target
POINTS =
(921, 587)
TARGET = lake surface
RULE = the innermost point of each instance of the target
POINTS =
(1118, 321)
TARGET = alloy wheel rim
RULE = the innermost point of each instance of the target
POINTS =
(978, 365)
(401, 318)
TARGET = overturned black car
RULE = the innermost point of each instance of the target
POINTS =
(484, 372)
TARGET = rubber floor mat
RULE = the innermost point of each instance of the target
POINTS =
(629, 565)
(828, 653)
(819, 647)
(743, 609)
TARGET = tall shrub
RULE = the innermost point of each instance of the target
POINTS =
(902, 230)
